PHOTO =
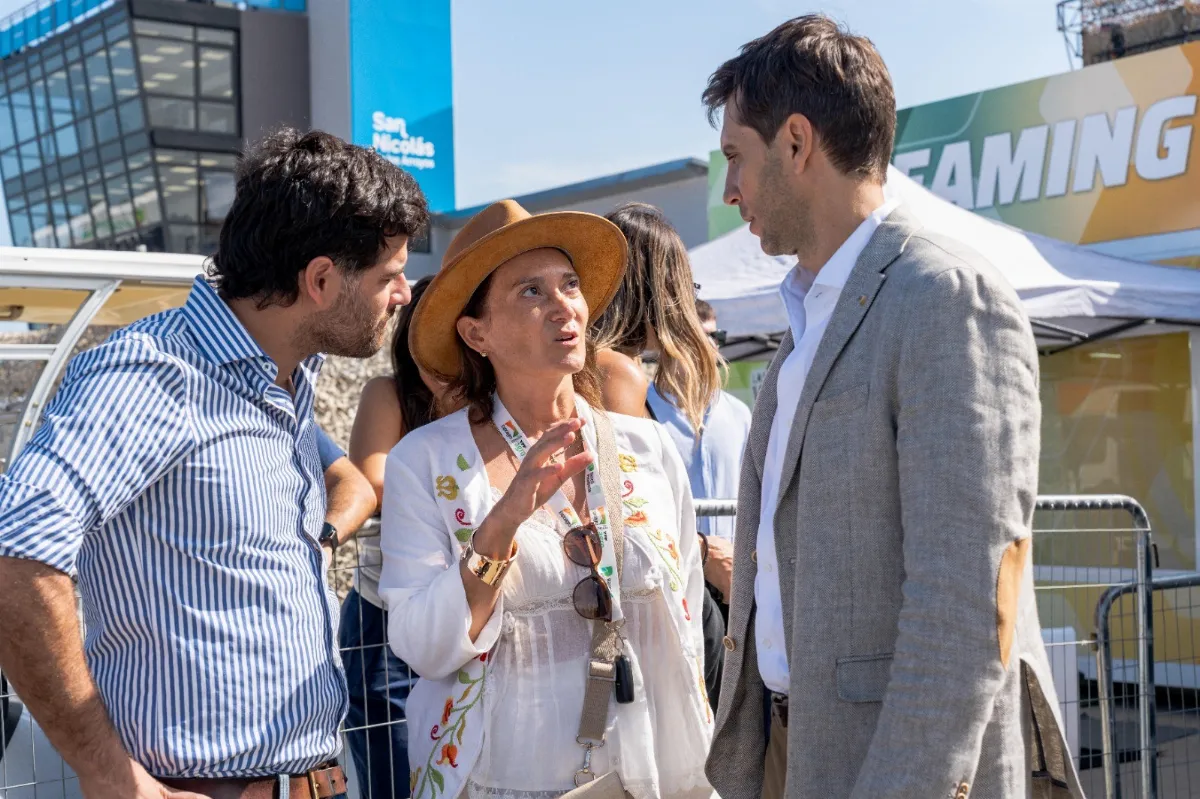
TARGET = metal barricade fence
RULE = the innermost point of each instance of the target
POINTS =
(1092, 571)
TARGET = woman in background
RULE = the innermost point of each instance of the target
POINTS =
(379, 682)
(654, 311)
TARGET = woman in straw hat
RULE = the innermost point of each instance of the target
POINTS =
(540, 558)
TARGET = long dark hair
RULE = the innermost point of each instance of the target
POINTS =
(417, 404)
(476, 382)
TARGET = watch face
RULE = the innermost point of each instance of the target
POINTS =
(328, 533)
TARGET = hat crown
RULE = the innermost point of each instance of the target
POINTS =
(495, 217)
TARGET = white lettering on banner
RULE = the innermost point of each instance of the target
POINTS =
(915, 159)
(1001, 168)
(1104, 147)
(953, 179)
(391, 140)
(1149, 165)
(1060, 159)
(1154, 147)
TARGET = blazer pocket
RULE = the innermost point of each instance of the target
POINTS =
(843, 402)
(863, 678)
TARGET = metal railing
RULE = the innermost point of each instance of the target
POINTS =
(1092, 570)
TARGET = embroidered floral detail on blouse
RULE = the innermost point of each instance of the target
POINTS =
(462, 463)
(628, 462)
(447, 487)
(637, 519)
(464, 533)
(428, 780)
(670, 557)
(703, 687)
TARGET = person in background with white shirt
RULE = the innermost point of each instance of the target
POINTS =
(883, 606)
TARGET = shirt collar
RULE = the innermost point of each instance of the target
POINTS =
(219, 334)
(837, 270)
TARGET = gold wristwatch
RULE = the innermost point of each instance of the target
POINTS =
(489, 570)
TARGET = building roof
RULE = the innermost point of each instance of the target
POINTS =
(633, 180)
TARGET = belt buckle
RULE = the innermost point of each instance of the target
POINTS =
(313, 788)
(314, 783)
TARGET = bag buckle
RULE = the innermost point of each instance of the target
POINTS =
(585, 774)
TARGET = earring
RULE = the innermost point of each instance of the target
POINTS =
(484, 354)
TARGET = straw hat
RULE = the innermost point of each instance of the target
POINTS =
(495, 235)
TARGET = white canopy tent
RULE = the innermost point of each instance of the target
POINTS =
(1071, 293)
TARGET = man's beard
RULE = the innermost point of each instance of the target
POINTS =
(348, 330)
(785, 219)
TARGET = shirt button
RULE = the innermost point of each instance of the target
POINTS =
(768, 568)
(767, 643)
(729, 644)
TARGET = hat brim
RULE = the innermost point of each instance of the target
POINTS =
(597, 250)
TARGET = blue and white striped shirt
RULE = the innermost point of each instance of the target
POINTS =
(184, 489)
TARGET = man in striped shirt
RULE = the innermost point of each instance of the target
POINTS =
(176, 476)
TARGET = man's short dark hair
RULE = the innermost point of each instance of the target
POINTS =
(812, 66)
(705, 311)
(301, 196)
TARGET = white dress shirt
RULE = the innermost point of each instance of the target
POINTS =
(809, 301)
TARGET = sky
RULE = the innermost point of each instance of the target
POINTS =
(548, 92)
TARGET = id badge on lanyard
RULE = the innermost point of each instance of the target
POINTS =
(520, 445)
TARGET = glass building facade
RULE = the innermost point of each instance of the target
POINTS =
(121, 132)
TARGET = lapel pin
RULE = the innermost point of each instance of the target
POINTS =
(862, 300)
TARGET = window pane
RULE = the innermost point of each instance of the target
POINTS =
(22, 104)
(21, 230)
(80, 218)
(131, 116)
(10, 163)
(41, 109)
(99, 205)
(117, 29)
(169, 113)
(79, 93)
(62, 226)
(136, 143)
(93, 43)
(218, 118)
(168, 67)
(106, 126)
(49, 151)
(219, 161)
(163, 29)
(87, 137)
(214, 36)
(99, 81)
(91, 159)
(124, 77)
(181, 194)
(138, 161)
(216, 72)
(145, 197)
(120, 204)
(217, 190)
(13, 187)
(8, 134)
(68, 141)
(31, 159)
(114, 165)
(73, 182)
(43, 230)
(184, 238)
(60, 98)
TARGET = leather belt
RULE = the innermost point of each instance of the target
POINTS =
(323, 782)
(779, 706)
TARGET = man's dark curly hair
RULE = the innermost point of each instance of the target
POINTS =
(301, 196)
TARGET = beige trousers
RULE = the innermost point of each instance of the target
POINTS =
(775, 762)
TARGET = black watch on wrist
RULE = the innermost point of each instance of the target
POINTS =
(329, 536)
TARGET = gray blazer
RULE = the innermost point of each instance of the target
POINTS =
(903, 536)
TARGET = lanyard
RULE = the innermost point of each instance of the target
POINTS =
(511, 432)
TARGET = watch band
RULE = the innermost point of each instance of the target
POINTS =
(329, 535)
(489, 570)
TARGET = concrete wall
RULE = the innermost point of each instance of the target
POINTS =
(329, 45)
(274, 72)
(685, 203)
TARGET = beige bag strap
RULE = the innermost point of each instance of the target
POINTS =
(606, 642)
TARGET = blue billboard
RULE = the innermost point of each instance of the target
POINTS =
(401, 91)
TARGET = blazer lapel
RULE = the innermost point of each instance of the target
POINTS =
(867, 277)
(765, 405)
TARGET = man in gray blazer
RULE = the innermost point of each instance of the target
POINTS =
(883, 637)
